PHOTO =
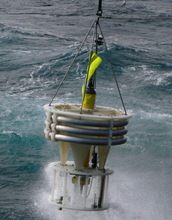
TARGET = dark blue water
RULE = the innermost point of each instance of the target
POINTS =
(38, 41)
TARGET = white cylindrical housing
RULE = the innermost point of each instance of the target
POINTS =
(79, 190)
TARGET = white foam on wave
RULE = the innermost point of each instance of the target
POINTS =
(155, 116)
(151, 76)
(154, 77)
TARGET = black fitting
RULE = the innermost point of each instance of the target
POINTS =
(94, 160)
(99, 40)
(99, 12)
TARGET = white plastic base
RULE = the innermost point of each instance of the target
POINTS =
(84, 190)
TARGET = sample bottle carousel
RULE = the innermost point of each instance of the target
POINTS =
(88, 131)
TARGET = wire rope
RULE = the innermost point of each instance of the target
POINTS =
(67, 72)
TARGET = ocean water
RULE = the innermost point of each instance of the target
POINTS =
(38, 41)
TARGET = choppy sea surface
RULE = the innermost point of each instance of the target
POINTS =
(39, 39)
